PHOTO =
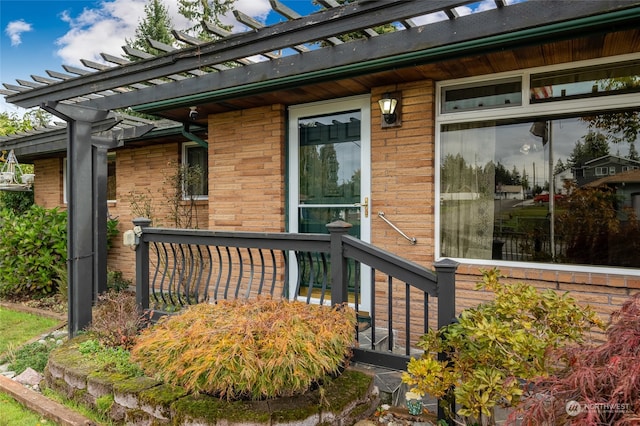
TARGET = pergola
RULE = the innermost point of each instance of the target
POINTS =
(301, 59)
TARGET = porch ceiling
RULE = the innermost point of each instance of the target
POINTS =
(292, 69)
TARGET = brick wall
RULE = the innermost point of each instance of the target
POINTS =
(48, 189)
(402, 173)
(141, 174)
(247, 170)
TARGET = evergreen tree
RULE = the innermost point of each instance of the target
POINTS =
(381, 29)
(198, 11)
(156, 25)
(594, 145)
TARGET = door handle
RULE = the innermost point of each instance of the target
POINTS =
(365, 205)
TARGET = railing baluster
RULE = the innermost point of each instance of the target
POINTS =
(407, 318)
(181, 257)
(251, 272)
(229, 269)
(390, 315)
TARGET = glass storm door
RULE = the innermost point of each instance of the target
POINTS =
(329, 160)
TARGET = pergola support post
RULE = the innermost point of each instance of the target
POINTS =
(86, 208)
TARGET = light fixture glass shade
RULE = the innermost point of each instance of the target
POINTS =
(387, 105)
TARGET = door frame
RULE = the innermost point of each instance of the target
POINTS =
(362, 103)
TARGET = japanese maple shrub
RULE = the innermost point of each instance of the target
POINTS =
(597, 385)
(255, 349)
(494, 348)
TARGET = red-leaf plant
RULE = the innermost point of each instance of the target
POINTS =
(596, 385)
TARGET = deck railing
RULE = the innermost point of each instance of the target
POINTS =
(179, 267)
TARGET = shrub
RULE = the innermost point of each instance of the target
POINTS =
(116, 282)
(18, 202)
(602, 381)
(31, 245)
(248, 349)
(496, 346)
(116, 319)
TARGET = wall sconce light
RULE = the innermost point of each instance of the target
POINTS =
(390, 108)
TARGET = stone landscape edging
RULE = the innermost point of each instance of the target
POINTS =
(350, 397)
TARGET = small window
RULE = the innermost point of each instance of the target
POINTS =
(602, 171)
(498, 94)
(195, 164)
(586, 82)
(111, 178)
(612, 170)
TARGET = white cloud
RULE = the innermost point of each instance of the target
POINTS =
(105, 29)
(15, 29)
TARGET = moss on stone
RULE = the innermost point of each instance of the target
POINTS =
(134, 385)
(163, 394)
(204, 408)
(351, 388)
(294, 408)
(351, 385)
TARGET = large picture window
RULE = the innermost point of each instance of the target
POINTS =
(561, 188)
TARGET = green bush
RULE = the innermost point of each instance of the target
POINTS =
(32, 244)
(18, 202)
(493, 348)
(248, 349)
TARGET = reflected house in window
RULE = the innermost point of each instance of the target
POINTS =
(562, 179)
(608, 165)
(626, 185)
(509, 192)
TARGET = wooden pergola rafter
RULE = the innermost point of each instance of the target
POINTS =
(310, 46)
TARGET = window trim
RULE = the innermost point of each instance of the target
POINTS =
(526, 110)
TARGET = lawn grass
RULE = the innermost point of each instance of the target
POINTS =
(17, 328)
(15, 414)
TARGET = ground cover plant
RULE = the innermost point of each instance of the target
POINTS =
(256, 349)
(596, 385)
(494, 349)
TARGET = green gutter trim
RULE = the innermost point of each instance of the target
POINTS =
(394, 61)
(187, 134)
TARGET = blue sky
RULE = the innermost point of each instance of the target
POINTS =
(40, 35)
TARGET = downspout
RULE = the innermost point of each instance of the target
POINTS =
(187, 134)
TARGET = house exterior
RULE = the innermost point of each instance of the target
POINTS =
(604, 166)
(296, 141)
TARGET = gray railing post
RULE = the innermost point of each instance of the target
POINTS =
(446, 271)
(339, 271)
(142, 265)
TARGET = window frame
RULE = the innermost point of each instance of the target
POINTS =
(110, 156)
(184, 147)
(526, 110)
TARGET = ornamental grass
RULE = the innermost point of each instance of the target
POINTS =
(258, 349)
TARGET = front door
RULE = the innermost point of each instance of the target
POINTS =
(329, 163)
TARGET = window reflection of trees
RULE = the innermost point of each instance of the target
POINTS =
(594, 219)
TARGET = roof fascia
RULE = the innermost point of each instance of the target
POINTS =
(439, 41)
